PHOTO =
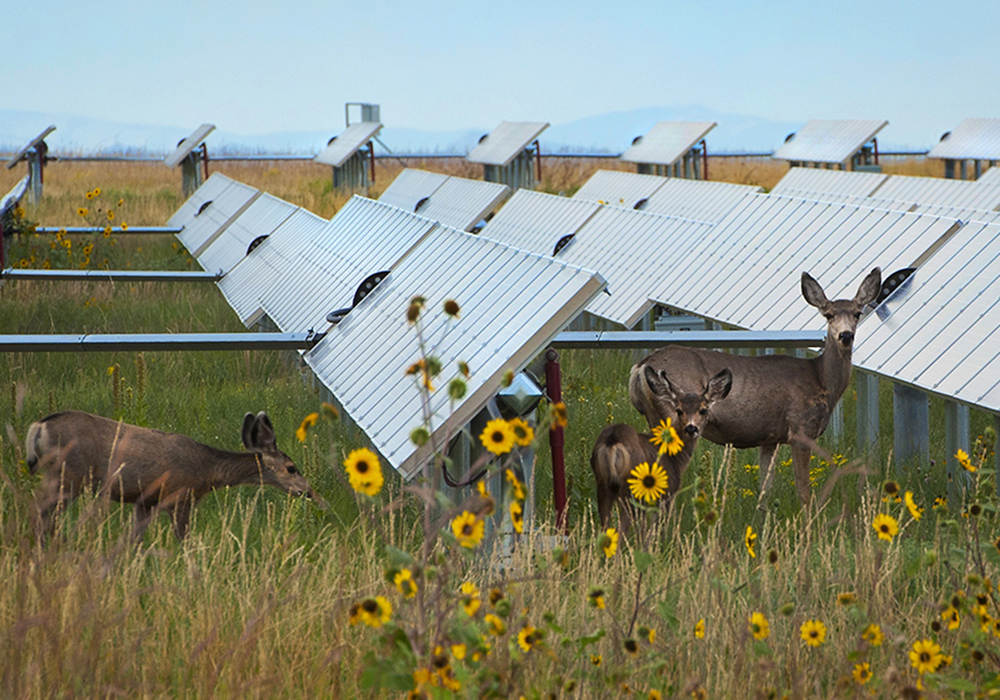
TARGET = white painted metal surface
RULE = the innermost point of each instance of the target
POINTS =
(512, 304)
(222, 209)
(535, 221)
(462, 203)
(940, 331)
(871, 202)
(667, 142)
(620, 188)
(260, 219)
(973, 139)
(961, 213)
(15, 194)
(990, 177)
(701, 200)
(209, 190)
(347, 143)
(747, 272)
(829, 140)
(634, 251)
(504, 143)
(935, 190)
(410, 187)
(829, 182)
(185, 147)
(16, 158)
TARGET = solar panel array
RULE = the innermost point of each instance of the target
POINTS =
(990, 177)
(411, 187)
(667, 142)
(829, 140)
(829, 181)
(619, 188)
(261, 218)
(347, 143)
(185, 147)
(210, 210)
(973, 139)
(505, 143)
(936, 190)
(536, 222)
(452, 201)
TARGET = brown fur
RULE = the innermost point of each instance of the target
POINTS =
(149, 468)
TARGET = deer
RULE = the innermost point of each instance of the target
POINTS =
(620, 447)
(151, 469)
(775, 399)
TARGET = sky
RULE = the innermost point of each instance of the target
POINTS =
(256, 67)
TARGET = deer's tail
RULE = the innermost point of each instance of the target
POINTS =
(33, 448)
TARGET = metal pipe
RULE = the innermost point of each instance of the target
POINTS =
(704, 160)
(371, 153)
(204, 158)
(100, 342)
(875, 148)
(111, 275)
(553, 388)
(538, 161)
(96, 229)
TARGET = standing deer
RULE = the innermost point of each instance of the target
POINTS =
(149, 468)
(621, 447)
(775, 399)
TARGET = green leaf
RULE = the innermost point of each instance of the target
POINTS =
(589, 639)
(643, 560)
(399, 558)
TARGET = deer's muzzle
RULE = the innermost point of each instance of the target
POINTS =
(846, 338)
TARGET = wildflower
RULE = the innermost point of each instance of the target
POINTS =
(97, 191)
(374, 612)
(950, 616)
(846, 598)
(89, 195)
(886, 526)
(111, 215)
(655, 694)
(631, 646)
(468, 529)
(307, 422)
(699, 629)
(862, 673)
(496, 595)
(596, 659)
(813, 632)
(528, 638)
(88, 248)
(121, 203)
(609, 542)
(451, 308)
(915, 511)
(470, 598)
(940, 502)
(891, 488)
(559, 418)
(648, 483)
(124, 226)
(925, 656)
(364, 471)
(596, 598)
(751, 468)
(405, 583)
(82, 211)
(19, 212)
(458, 651)
(495, 623)
(772, 556)
(107, 230)
(964, 460)
(667, 438)
(750, 539)
(759, 626)
(497, 437)
(67, 243)
(524, 434)
(517, 516)
(648, 633)
(516, 484)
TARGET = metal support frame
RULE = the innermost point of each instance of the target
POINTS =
(191, 174)
(553, 388)
(835, 426)
(911, 425)
(956, 437)
(520, 173)
(36, 158)
(867, 412)
(949, 168)
(354, 174)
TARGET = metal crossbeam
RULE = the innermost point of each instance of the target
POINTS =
(134, 342)
(173, 230)
(110, 275)
(705, 339)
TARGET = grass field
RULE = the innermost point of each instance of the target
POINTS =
(273, 597)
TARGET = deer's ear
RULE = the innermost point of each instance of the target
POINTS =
(719, 386)
(659, 384)
(261, 433)
(869, 289)
(812, 291)
(246, 432)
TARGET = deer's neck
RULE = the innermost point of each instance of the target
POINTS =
(233, 468)
(834, 370)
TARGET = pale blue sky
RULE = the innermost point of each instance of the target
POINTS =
(265, 66)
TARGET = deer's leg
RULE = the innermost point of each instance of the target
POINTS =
(605, 502)
(800, 465)
(182, 515)
(144, 515)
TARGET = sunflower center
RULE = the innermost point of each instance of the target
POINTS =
(924, 657)
(885, 528)
(813, 634)
(496, 436)
(467, 530)
(649, 481)
(361, 467)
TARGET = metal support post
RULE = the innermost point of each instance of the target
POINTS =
(36, 159)
(961, 166)
(553, 388)
(956, 437)
(911, 424)
(836, 424)
(949, 169)
(190, 174)
(977, 168)
(867, 415)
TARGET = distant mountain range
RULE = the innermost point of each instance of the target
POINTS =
(604, 133)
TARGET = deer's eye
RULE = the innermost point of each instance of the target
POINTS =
(292, 469)
(680, 412)
(703, 411)
(828, 317)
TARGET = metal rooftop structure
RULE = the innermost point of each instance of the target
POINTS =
(538, 222)
(512, 305)
(974, 139)
(507, 154)
(804, 180)
(990, 177)
(188, 158)
(210, 210)
(671, 149)
(832, 142)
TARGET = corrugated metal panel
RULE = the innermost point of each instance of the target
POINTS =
(941, 330)
(187, 145)
(512, 304)
(260, 219)
(504, 143)
(632, 250)
(347, 143)
(619, 188)
(960, 213)
(15, 194)
(871, 202)
(535, 221)
(829, 181)
(747, 272)
(973, 139)
(209, 190)
(829, 140)
(462, 203)
(935, 190)
(697, 199)
(222, 210)
(411, 186)
(990, 177)
(667, 142)
(253, 277)
(363, 238)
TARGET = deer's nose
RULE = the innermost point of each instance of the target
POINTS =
(691, 429)
(846, 337)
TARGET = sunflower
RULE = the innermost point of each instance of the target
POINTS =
(950, 617)
(524, 434)
(374, 612)
(759, 626)
(647, 633)
(596, 659)
(468, 529)
(307, 422)
(667, 438)
(107, 230)
(750, 540)
(925, 656)
(886, 526)
(846, 598)
(458, 651)
(862, 673)
(528, 638)
(648, 482)
(496, 624)
(699, 629)
(609, 542)
(364, 471)
(915, 510)
(596, 598)
(963, 459)
(559, 417)
(498, 437)
(124, 226)
(405, 583)
(97, 191)
(516, 484)
(470, 598)
(111, 215)
(90, 194)
(82, 211)
(517, 516)
(813, 632)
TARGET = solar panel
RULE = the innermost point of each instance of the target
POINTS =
(747, 272)
(871, 202)
(462, 203)
(512, 304)
(697, 199)
(185, 147)
(633, 251)
(667, 142)
(215, 213)
(410, 187)
(264, 215)
(936, 190)
(503, 144)
(619, 187)
(347, 143)
(972, 139)
(829, 181)
(536, 222)
(208, 191)
(990, 177)
(940, 331)
(829, 140)
(16, 158)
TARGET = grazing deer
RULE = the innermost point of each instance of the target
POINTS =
(621, 447)
(149, 468)
(775, 399)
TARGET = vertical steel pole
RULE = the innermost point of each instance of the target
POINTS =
(867, 416)
(553, 387)
(204, 161)
(956, 437)
(911, 424)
